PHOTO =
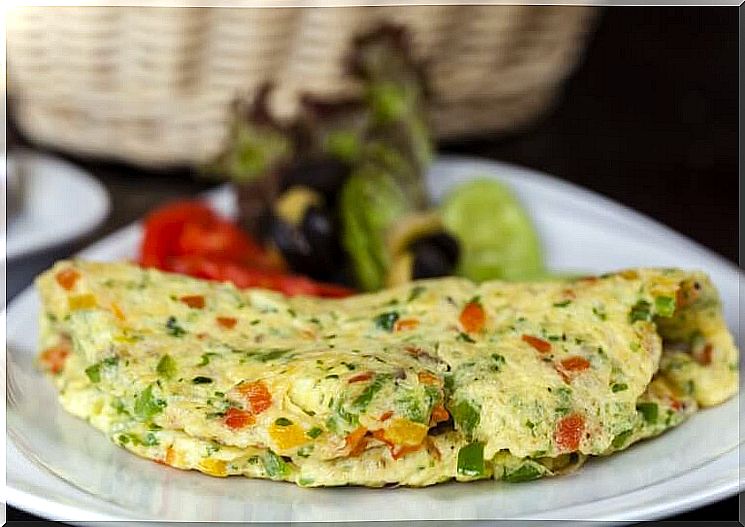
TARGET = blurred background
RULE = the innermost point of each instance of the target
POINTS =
(638, 104)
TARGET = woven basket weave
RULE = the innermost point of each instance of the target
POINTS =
(152, 86)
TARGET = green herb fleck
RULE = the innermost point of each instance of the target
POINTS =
(282, 421)
(94, 372)
(416, 292)
(206, 358)
(146, 405)
(386, 321)
(563, 303)
(526, 472)
(620, 440)
(361, 402)
(466, 416)
(271, 355)
(649, 411)
(275, 466)
(664, 306)
(619, 387)
(640, 311)
(201, 380)
(465, 337)
(314, 432)
(166, 367)
(498, 360)
(471, 460)
(173, 328)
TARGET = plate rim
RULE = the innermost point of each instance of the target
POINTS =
(71, 170)
(726, 488)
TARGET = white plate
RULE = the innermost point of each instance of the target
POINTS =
(59, 466)
(63, 203)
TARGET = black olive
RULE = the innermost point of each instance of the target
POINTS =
(448, 244)
(325, 175)
(434, 256)
(320, 230)
(310, 248)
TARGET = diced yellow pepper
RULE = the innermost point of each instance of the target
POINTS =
(288, 436)
(214, 467)
(81, 302)
(405, 432)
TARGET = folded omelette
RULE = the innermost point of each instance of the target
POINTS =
(427, 382)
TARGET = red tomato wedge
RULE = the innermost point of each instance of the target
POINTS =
(188, 237)
(163, 228)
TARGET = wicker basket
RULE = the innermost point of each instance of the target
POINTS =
(152, 85)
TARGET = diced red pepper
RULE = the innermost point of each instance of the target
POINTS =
(54, 358)
(193, 301)
(257, 395)
(227, 322)
(428, 378)
(569, 432)
(356, 441)
(472, 318)
(439, 414)
(540, 345)
(67, 278)
(385, 415)
(236, 418)
(406, 324)
(575, 364)
(360, 377)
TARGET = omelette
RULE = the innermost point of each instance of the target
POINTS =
(430, 381)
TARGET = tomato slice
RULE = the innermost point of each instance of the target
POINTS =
(188, 237)
(163, 228)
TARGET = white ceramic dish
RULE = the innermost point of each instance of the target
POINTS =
(60, 467)
(63, 203)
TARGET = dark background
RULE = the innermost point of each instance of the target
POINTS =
(650, 119)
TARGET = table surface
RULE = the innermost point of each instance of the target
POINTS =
(649, 119)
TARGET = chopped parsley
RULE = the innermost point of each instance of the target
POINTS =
(147, 405)
(166, 367)
(314, 432)
(640, 311)
(173, 328)
(465, 337)
(386, 321)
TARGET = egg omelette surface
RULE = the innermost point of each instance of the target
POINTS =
(427, 382)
